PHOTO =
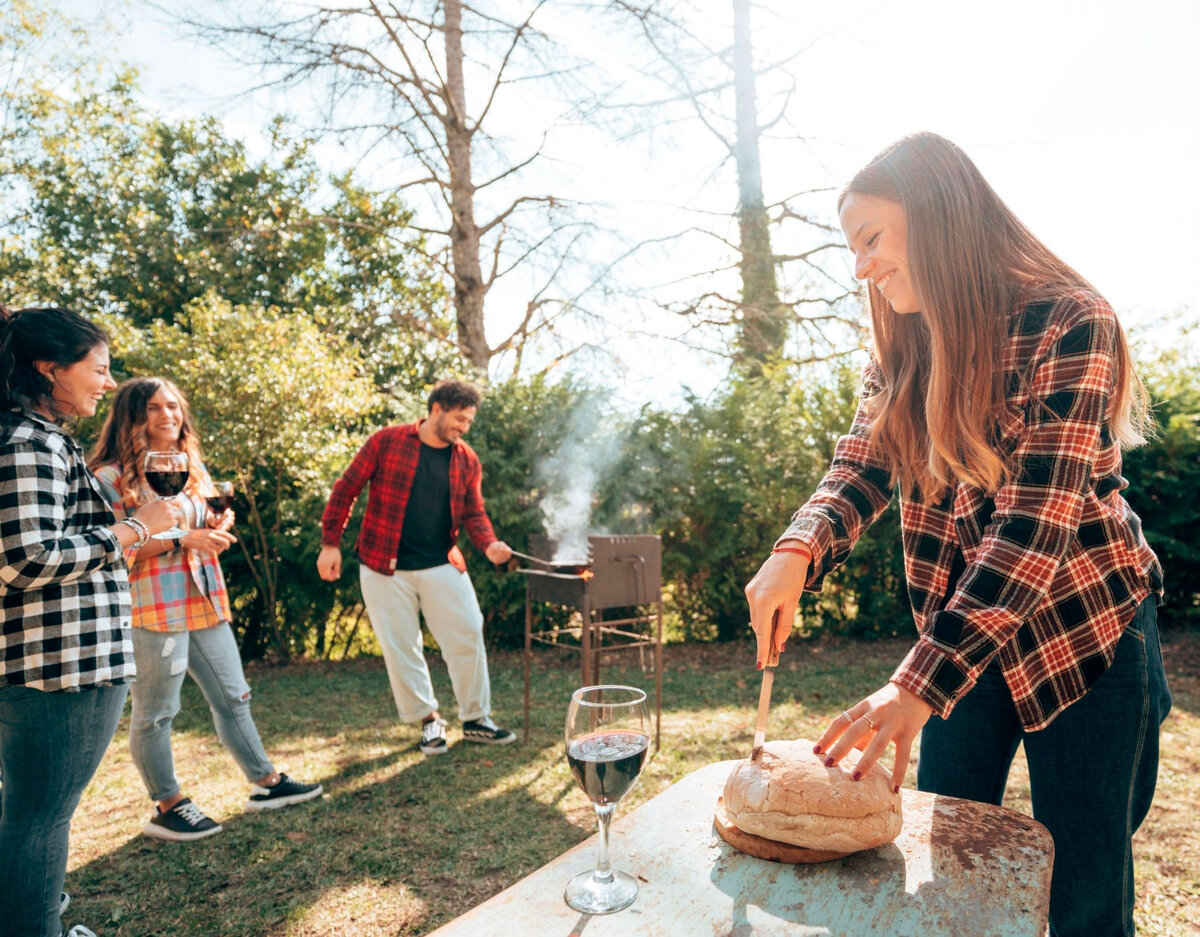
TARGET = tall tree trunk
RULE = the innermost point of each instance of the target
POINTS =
(763, 327)
(469, 289)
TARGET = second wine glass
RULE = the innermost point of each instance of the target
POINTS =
(166, 474)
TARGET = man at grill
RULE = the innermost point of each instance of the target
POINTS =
(425, 483)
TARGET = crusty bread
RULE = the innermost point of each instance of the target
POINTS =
(788, 795)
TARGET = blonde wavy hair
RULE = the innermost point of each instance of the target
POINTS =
(122, 439)
(970, 261)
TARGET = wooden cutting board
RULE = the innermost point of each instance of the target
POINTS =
(762, 847)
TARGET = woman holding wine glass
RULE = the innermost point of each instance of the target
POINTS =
(148, 447)
(65, 650)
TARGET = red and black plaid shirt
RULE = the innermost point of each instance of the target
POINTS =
(1053, 564)
(388, 461)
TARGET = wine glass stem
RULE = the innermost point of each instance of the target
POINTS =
(603, 815)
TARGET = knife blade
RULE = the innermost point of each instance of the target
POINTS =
(764, 694)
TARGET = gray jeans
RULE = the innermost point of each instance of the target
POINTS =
(210, 655)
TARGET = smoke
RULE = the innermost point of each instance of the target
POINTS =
(589, 449)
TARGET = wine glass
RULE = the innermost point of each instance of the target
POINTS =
(167, 474)
(607, 738)
(222, 499)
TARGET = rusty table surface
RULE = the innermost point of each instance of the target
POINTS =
(957, 868)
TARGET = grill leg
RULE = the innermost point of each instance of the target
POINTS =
(526, 658)
(658, 675)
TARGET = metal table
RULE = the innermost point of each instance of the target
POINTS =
(957, 868)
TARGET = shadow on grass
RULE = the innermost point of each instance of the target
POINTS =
(401, 843)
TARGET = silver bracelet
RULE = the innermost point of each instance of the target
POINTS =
(139, 528)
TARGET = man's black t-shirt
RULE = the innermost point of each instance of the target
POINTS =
(425, 536)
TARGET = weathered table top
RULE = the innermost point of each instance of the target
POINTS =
(956, 868)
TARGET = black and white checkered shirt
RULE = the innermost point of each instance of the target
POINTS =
(64, 589)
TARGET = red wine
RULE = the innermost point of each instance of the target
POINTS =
(606, 764)
(166, 484)
(219, 504)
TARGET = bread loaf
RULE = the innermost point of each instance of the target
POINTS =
(788, 795)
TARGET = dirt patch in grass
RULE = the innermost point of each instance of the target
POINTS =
(401, 843)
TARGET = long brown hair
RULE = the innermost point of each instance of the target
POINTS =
(970, 260)
(123, 437)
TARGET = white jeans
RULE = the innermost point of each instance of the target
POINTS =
(447, 599)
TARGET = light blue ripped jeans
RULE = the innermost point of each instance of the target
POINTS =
(210, 655)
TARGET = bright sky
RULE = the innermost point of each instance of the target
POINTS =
(1081, 114)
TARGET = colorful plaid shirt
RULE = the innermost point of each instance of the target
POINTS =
(1053, 564)
(63, 587)
(179, 590)
(388, 462)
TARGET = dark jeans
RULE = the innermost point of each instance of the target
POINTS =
(1091, 772)
(50, 746)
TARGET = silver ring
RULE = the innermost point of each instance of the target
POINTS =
(847, 717)
(870, 722)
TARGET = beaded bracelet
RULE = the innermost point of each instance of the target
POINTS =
(139, 528)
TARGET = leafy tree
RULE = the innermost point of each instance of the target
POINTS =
(1164, 477)
(124, 212)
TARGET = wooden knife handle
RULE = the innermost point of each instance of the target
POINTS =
(773, 655)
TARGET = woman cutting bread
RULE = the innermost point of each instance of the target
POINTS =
(997, 399)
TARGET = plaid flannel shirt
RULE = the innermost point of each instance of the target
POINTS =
(179, 590)
(388, 461)
(1054, 563)
(63, 584)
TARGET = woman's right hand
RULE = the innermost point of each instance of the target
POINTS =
(159, 515)
(776, 587)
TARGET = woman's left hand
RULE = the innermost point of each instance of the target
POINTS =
(890, 714)
(208, 540)
(222, 521)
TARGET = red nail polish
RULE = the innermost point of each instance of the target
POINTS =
(896, 789)
(816, 749)
(758, 664)
(829, 762)
(856, 776)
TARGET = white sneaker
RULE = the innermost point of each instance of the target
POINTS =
(80, 931)
(433, 737)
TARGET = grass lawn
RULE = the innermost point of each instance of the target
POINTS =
(400, 844)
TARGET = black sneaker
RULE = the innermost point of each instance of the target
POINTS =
(433, 737)
(182, 823)
(485, 731)
(285, 792)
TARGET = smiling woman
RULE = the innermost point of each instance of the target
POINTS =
(65, 649)
(997, 399)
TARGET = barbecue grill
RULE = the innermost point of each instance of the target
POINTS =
(621, 572)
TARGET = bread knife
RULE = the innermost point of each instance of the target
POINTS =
(764, 694)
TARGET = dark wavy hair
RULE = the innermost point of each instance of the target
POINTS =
(454, 395)
(28, 336)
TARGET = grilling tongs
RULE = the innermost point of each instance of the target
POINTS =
(764, 695)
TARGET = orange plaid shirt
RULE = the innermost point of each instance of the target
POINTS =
(180, 590)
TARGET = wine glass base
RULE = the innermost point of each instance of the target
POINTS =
(592, 895)
(174, 533)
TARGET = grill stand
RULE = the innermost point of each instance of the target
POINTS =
(626, 573)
